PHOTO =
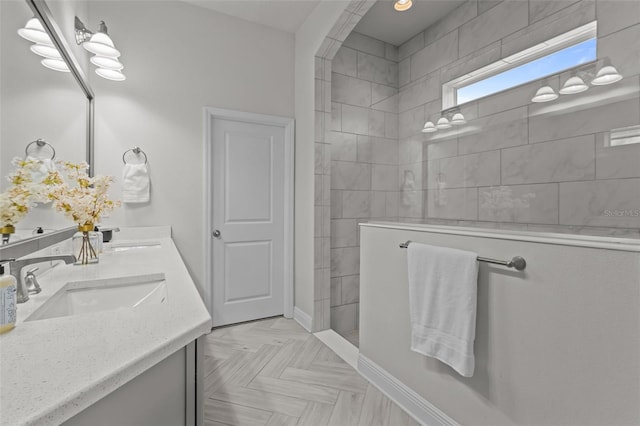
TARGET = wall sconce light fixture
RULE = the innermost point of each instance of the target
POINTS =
(545, 94)
(448, 118)
(34, 32)
(105, 53)
(429, 127)
(606, 74)
(573, 85)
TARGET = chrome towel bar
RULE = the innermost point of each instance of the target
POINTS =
(517, 262)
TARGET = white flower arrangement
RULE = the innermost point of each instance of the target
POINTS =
(23, 193)
(81, 198)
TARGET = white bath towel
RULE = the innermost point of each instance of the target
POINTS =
(135, 183)
(44, 167)
(442, 304)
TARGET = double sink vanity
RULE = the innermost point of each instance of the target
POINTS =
(110, 343)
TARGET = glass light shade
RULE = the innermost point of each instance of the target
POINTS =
(545, 94)
(114, 75)
(443, 123)
(429, 127)
(55, 64)
(606, 75)
(102, 45)
(573, 85)
(34, 32)
(458, 119)
(46, 51)
(106, 62)
(402, 5)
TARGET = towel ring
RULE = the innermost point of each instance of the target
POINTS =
(40, 143)
(137, 151)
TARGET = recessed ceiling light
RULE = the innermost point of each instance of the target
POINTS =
(402, 5)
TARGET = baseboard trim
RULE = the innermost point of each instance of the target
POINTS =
(302, 318)
(417, 407)
(341, 346)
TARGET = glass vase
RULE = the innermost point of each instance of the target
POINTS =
(85, 245)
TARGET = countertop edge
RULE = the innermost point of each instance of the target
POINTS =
(76, 403)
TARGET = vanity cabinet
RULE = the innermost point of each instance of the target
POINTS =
(169, 393)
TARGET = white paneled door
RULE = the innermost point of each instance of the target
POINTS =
(248, 221)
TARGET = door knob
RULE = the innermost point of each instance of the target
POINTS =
(216, 233)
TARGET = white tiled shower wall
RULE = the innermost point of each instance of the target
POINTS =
(364, 160)
(517, 164)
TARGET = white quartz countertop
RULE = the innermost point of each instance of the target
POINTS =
(54, 368)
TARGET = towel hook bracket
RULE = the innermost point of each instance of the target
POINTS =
(137, 151)
(40, 143)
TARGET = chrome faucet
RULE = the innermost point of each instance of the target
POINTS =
(16, 269)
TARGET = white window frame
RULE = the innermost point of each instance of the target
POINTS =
(570, 38)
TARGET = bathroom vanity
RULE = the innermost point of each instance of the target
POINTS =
(116, 342)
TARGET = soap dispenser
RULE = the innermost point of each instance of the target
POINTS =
(8, 290)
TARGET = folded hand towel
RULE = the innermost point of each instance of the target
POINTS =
(135, 183)
(442, 303)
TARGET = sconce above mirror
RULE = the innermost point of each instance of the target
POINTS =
(106, 56)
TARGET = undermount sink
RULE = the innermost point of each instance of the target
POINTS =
(84, 297)
(134, 245)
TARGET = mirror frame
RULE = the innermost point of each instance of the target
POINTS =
(29, 245)
(43, 13)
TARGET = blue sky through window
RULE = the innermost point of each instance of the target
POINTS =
(559, 61)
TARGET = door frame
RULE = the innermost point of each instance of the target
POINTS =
(247, 117)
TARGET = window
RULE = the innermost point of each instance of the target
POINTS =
(566, 51)
(623, 136)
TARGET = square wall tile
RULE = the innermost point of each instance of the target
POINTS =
(350, 90)
(496, 23)
(482, 169)
(343, 318)
(384, 177)
(557, 161)
(376, 123)
(350, 176)
(364, 43)
(356, 204)
(345, 62)
(460, 203)
(345, 261)
(378, 70)
(355, 119)
(519, 203)
(343, 233)
(350, 289)
(343, 146)
(612, 203)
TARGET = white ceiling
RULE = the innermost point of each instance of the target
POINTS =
(381, 21)
(285, 15)
(384, 23)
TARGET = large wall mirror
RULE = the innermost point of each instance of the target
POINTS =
(39, 103)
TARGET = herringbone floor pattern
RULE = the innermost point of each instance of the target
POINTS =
(272, 372)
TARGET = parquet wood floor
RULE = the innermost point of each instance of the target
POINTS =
(273, 372)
